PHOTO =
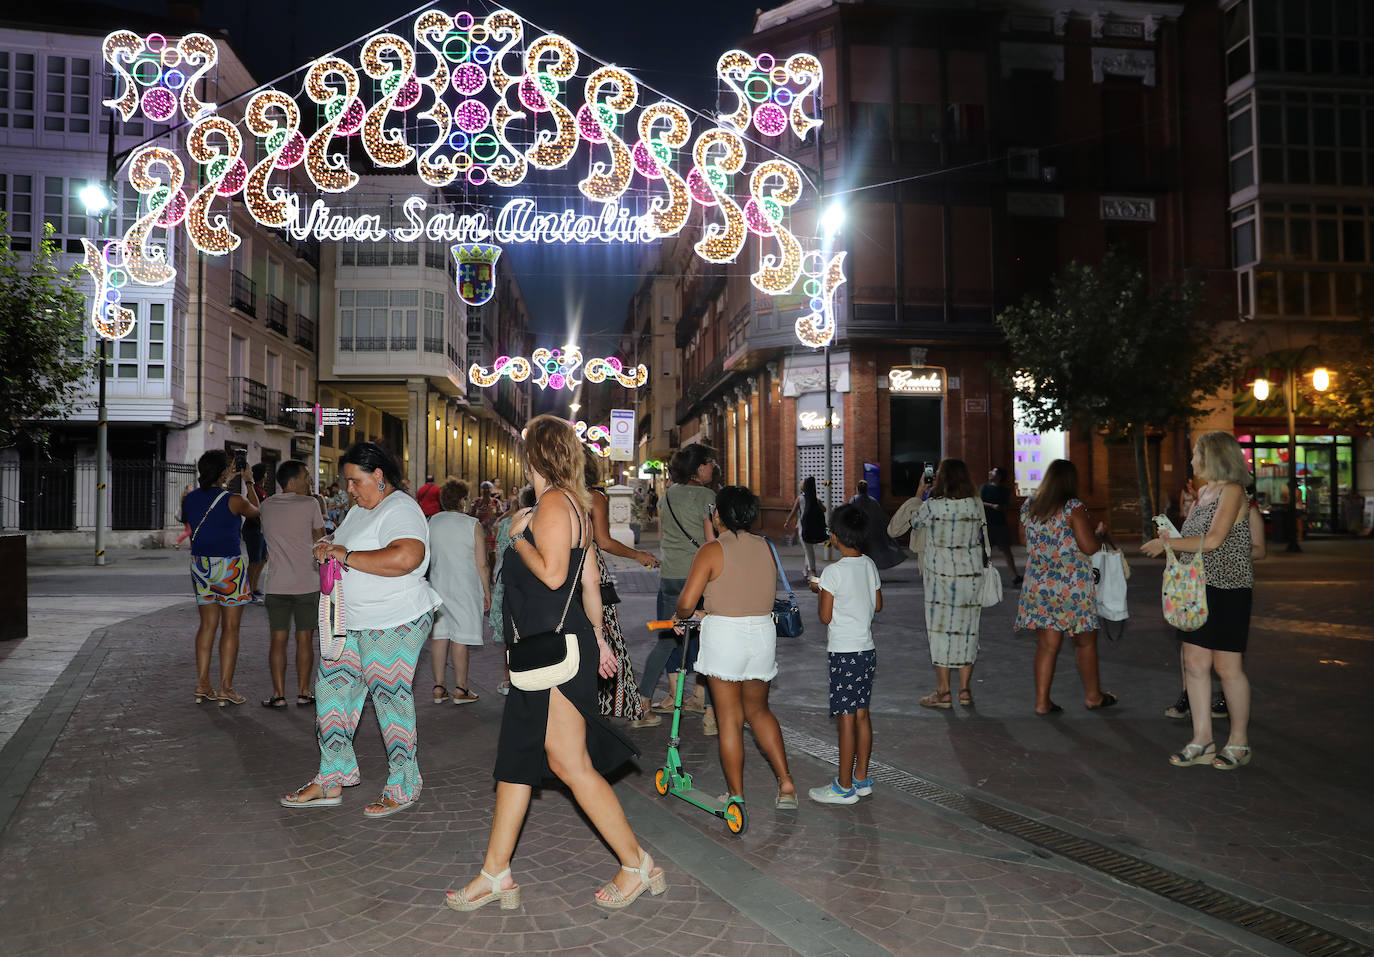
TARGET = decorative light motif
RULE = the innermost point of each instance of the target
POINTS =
(472, 116)
(817, 328)
(805, 69)
(159, 104)
(120, 48)
(329, 173)
(476, 271)
(139, 262)
(277, 137)
(776, 274)
(666, 215)
(109, 319)
(552, 150)
(696, 184)
(352, 120)
(293, 152)
(597, 438)
(469, 79)
(609, 182)
(516, 368)
(199, 51)
(598, 369)
(555, 368)
(532, 96)
(507, 29)
(733, 68)
(430, 29)
(721, 242)
(387, 147)
(218, 237)
(409, 95)
(770, 120)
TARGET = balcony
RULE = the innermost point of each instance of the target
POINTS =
(434, 345)
(244, 294)
(247, 400)
(392, 357)
(711, 377)
(276, 315)
(305, 332)
(278, 421)
(402, 343)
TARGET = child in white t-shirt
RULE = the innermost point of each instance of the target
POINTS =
(850, 594)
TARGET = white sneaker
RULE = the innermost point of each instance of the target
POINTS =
(863, 788)
(832, 793)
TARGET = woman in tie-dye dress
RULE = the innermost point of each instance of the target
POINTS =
(1058, 597)
(388, 607)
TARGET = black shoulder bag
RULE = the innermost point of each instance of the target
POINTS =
(543, 661)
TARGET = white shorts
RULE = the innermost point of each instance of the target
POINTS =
(450, 628)
(738, 649)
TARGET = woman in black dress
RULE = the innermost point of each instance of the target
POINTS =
(811, 522)
(559, 732)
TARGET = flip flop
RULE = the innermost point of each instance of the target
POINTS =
(305, 700)
(322, 801)
(1054, 709)
(387, 809)
(786, 802)
(1108, 699)
(274, 703)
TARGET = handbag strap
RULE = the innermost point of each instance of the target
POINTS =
(669, 503)
(987, 547)
(581, 532)
(777, 563)
(222, 493)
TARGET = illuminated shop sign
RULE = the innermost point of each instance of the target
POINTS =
(815, 421)
(917, 380)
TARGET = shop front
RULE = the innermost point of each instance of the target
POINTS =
(916, 416)
(1325, 473)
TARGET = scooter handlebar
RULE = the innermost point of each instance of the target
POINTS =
(662, 624)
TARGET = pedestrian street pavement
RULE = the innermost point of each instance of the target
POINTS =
(135, 822)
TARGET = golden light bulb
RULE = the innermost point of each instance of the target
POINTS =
(1261, 388)
(1321, 379)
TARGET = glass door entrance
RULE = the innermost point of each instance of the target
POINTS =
(1325, 473)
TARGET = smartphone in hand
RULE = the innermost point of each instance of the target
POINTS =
(1162, 524)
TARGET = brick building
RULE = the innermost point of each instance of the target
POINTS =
(976, 152)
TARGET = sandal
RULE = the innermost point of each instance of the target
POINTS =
(965, 698)
(1231, 757)
(388, 807)
(440, 694)
(205, 696)
(324, 800)
(274, 703)
(612, 898)
(304, 700)
(936, 699)
(228, 696)
(1193, 754)
(785, 802)
(467, 697)
(509, 898)
(1108, 699)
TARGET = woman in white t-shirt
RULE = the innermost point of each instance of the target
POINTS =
(388, 607)
(459, 572)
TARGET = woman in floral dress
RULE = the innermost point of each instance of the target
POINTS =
(1058, 597)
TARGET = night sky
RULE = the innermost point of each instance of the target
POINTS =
(672, 47)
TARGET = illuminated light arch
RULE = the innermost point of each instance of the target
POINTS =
(484, 99)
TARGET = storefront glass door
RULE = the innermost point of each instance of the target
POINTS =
(1325, 474)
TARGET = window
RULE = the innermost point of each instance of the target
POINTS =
(871, 119)
(1312, 36)
(67, 95)
(126, 358)
(434, 321)
(435, 255)
(63, 208)
(273, 371)
(1237, 31)
(370, 320)
(238, 350)
(405, 254)
(16, 201)
(405, 316)
(1243, 236)
(347, 254)
(666, 361)
(1293, 232)
(1241, 132)
(16, 90)
(1315, 138)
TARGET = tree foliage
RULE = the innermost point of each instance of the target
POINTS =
(1111, 352)
(44, 371)
(1348, 405)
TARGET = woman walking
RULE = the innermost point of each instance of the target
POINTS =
(685, 526)
(218, 570)
(458, 571)
(737, 576)
(1058, 597)
(953, 571)
(558, 732)
(487, 511)
(617, 696)
(1219, 528)
(524, 499)
(809, 514)
(383, 545)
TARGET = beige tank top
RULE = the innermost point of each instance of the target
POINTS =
(747, 581)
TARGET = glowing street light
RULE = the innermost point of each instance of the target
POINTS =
(1261, 389)
(95, 198)
(1321, 379)
(832, 220)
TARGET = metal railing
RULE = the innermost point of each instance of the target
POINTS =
(434, 345)
(247, 397)
(244, 294)
(305, 332)
(296, 421)
(402, 343)
(59, 495)
(276, 315)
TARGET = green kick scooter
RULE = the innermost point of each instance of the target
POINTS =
(671, 778)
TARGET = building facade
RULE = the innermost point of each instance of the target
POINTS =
(975, 152)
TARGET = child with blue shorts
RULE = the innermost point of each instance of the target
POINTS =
(850, 595)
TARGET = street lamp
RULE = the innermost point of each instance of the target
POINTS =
(1321, 381)
(95, 198)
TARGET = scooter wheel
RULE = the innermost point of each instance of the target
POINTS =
(736, 819)
(661, 781)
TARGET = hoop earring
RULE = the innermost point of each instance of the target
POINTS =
(381, 486)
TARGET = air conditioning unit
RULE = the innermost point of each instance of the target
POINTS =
(1023, 164)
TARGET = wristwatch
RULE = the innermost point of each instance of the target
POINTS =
(347, 552)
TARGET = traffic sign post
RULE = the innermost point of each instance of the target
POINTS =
(322, 417)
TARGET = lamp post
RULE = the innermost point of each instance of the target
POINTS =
(1321, 381)
(99, 200)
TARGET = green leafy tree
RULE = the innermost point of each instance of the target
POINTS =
(1112, 352)
(1348, 404)
(44, 372)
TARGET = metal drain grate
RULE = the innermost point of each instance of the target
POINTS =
(1297, 935)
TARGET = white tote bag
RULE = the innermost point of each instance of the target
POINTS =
(1110, 572)
(990, 588)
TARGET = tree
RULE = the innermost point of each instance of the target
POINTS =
(1349, 403)
(44, 371)
(1109, 352)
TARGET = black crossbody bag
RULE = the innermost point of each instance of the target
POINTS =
(546, 660)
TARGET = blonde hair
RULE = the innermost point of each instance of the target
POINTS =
(1220, 458)
(553, 450)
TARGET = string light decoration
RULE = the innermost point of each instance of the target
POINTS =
(329, 172)
(776, 274)
(515, 368)
(109, 319)
(148, 266)
(477, 120)
(387, 147)
(218, 237)
(721, 242)
(276, 137)
(597, 437)
(597, 370)
(817, 328)
(554, 368)
(666, 216)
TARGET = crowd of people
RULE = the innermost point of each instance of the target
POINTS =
(439, 567)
